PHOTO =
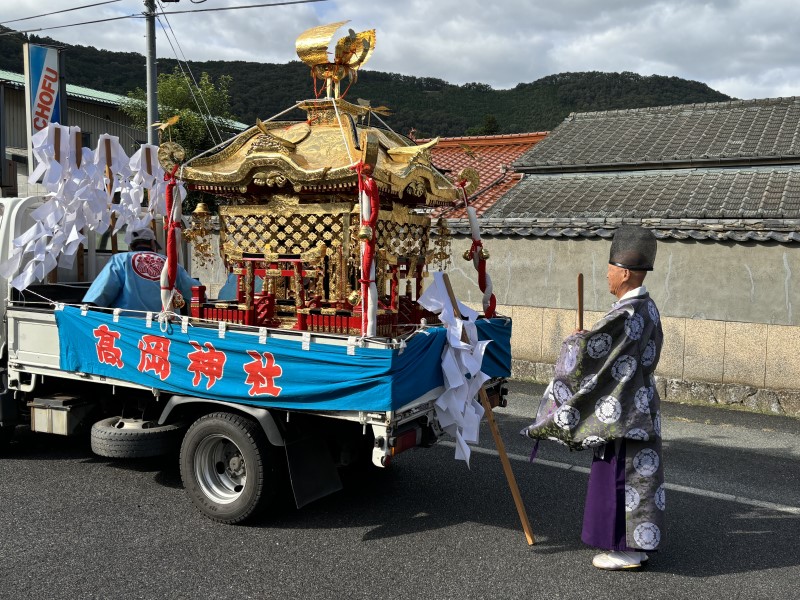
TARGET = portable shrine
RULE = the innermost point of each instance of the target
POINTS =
(324, 222)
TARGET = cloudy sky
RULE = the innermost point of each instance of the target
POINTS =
(743, 48)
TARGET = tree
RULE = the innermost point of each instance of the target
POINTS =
(194, 128)
(490, 127)
(176, 97)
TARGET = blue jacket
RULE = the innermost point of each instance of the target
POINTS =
(132, 280)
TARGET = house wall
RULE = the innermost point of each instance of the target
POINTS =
(729, 312)
(94, 119)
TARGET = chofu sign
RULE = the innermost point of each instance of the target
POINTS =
(43, 83)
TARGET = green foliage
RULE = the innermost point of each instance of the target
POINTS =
(490, 126)
(175, 97)
(194, 129)
(428, 105)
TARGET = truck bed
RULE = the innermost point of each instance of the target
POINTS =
(34, 349)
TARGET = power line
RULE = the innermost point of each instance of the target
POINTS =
(134, 16)
(178, 12)
(174, 12)
(57, 12)
(188, 84)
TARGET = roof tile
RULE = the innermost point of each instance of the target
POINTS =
(491, 156)
(768, 192)
(731, 130)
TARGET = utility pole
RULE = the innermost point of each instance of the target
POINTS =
(152, 74)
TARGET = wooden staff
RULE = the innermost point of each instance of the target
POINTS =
(580, 302)
(52, 276)
(501, 448)
(148, 167)
(114, 247)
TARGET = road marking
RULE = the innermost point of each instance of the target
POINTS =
(792, 510)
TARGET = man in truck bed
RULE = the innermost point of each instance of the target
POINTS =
(131, 280)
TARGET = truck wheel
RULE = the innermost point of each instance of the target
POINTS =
(228, 467)
(133, 438)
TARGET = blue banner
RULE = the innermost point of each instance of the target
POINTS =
(277, 373)
(44, 84)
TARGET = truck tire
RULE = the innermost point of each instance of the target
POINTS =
(133, 438)
(228, 467)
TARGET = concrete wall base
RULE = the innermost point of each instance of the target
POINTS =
(730, 395)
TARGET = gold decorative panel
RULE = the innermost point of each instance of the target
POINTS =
(284, 226)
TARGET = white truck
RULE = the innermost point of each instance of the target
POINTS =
(234, 454)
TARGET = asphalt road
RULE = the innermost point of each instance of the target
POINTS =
(73, 525)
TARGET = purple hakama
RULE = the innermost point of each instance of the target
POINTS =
(604, 513)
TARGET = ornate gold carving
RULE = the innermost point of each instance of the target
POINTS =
(370, 148)
(312, 45)
(351, 52)
(416, 188)
(419, 152)
(169, 154)
(270, 179)
(472, 178)
(199, 234)
(442, 245)
(265, 143)
(248, 284)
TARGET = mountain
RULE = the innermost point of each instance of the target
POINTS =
(427, 105)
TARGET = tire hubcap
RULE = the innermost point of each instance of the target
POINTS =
(220, 469)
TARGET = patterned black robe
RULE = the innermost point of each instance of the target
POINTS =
(604, 390)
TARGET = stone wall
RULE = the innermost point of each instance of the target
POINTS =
(748, 365)
(731, 331)
(720, 281)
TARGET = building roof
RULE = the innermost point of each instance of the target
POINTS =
(736, 132)
(91, 95)
(716, 171)
(74, 91)
(491, 156)
(759, 203)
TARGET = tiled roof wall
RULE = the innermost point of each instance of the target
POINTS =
(489, 156)
(768, 193)
(697, 132)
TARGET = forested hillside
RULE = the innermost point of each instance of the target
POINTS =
(429, 106)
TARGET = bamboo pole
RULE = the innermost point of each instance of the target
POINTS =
(580, 302)
(501, 448)
(78, 159)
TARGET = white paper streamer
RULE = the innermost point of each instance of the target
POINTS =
(458, 412)
(80, 200)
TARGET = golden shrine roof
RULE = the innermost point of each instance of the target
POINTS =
(317, 155)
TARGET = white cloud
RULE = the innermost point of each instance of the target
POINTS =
(746, 48)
